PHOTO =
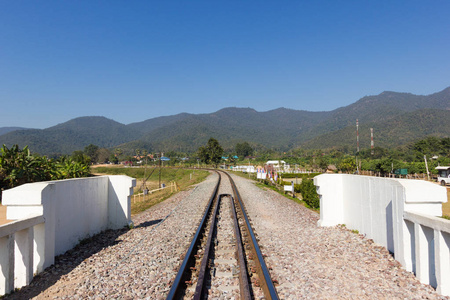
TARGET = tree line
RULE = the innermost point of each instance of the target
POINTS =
(19, 166)
(379, 160)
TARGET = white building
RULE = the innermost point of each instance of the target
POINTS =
(244, 168)
(279, 165)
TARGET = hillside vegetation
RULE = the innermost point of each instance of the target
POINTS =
(397, 119)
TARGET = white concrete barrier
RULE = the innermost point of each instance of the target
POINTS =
(21, 252)
(399, 214)
(429, 253)
(72, 210)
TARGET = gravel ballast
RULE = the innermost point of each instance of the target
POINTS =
(307, 261)
(312, 262)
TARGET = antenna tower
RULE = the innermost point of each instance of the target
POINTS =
(357, 136)
(371, 141)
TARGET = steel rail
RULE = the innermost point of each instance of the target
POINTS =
(243, 273)
(263, 272)
(189, 259)
(200, 288)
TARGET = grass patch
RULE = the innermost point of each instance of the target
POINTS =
(183, 177)
(279, 188)
(446, 206)
(298, 199)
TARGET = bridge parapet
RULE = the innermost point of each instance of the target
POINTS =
(21, 250)
(400, 214)
(52, 217)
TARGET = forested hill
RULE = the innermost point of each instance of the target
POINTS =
(277, 128)
(397, 118)
(72, 135)
(400, 130)
(5, 130)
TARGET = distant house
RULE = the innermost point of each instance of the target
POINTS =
(279, 165)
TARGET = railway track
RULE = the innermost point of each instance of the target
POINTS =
(224, 258)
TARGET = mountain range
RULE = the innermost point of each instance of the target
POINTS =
(396, 118)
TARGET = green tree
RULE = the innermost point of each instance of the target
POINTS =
(445, 145)
(243, 149)
(386, 165)
(91, 151)
(113, 158)
(429, 147)
(231, 160)
(118, 152)
(203, 155)
(211, 153)
(19, 166)
(80, 157)
(103, 155)
(69, 168)
(323, 162)
(347, 164)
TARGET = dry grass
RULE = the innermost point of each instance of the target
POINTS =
(446, 206)
(183, 177)
(141, 203)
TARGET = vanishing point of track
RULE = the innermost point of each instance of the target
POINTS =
(212, 243)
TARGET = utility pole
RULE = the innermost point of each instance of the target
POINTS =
(144, 186)
(426, 165)
(357, 136)
(357, 146)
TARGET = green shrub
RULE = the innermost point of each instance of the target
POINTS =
(309, 193)
(19, 166)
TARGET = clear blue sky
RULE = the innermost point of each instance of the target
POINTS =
(135, 60)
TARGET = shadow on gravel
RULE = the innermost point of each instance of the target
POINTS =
(66, 262)
(149, 223)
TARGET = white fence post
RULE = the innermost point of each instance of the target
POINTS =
(424, 238)
(7, 264)
(442, 254)
(408, 249)
(23, 263)
(17, 259)
(39, 248)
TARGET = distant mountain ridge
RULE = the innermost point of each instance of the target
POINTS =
(72, 135)
(5, 130)
(397, 119)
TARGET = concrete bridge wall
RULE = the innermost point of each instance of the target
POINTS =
(52, 217)
(400, 214)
